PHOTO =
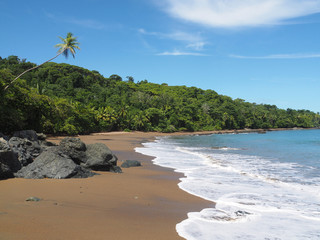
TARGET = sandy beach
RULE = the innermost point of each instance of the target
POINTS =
(141, 203)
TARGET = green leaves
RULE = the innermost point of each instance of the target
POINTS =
(61, 98)
(68, 45)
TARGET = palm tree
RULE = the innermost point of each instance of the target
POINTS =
(69, 44)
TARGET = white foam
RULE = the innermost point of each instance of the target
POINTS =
(255, 198)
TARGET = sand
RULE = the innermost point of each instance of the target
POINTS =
(141, 203)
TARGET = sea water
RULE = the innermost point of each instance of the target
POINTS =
(265, 186)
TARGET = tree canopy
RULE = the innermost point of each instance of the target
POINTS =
(61, 98)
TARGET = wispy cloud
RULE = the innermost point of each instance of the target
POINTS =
(177, 35)
(243, 13)
(179, 53)
(192, 41)
(87, 23)
(279, 56)
(197, 45)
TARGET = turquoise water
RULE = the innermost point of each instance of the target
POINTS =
(265, 186)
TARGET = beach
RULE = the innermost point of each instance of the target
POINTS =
(140, 203)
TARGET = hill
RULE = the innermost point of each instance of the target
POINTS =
(66, 99)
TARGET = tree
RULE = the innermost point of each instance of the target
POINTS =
(69, 44)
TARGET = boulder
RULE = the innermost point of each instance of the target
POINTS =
(100, 158)
(29, 155)
(130, 163)
(41, 136)
(53, 163)
(26, 149)
(28, 134)
(116, 169)
(9, 163)
(4, 136)
(4, 144)
(74, 148)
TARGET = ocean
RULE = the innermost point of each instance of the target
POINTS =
(265, 186)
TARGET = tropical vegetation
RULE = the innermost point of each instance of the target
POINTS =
(66, 99)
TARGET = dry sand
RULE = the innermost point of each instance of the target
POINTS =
(142, 203)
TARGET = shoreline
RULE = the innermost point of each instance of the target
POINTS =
(141, 203)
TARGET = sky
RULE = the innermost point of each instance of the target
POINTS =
(262, 51)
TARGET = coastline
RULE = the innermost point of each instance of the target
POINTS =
(141, 203)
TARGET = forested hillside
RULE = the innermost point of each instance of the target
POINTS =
(61, 98)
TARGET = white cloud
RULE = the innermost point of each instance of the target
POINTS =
(240, 13)
(197, 45)
(193, 41)
(179, 53)
(279, 56)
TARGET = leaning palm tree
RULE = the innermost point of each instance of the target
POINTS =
(68, 45)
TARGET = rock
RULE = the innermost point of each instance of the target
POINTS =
(116, 169)
(9, 163)
(33, 199)
(242, 213)
(4, 136)
(52, 163)
(28, 134)
(41, 136)
(45, 144)
(74, 148)
(26, 149)
(130, 163)
(100, 158)
(29, 155)
(4, 144)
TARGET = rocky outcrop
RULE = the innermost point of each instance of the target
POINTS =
(28, 145)
(4, 136)
(53, 163)
(9, 163)
(27, 134)
(26, 149)
(28, 155)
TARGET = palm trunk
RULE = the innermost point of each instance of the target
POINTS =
(6, 87)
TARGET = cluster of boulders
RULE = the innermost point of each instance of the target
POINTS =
(27, 154)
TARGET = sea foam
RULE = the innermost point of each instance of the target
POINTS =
(256, 197)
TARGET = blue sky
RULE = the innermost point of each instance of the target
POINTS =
(263, 51)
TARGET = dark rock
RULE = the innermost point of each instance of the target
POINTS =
(9, 163)
(52, 163)
(46, 144)
(26, 149)
(41, 136)
(28, 134)
(74, 148)
(4, 144)
(29, 155)
(130, 163)
(242, 213)
(100, 158)
(116, 169)
(4, 136)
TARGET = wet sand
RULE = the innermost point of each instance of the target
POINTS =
(141, 203)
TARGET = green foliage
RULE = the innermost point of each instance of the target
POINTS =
(66, 99)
